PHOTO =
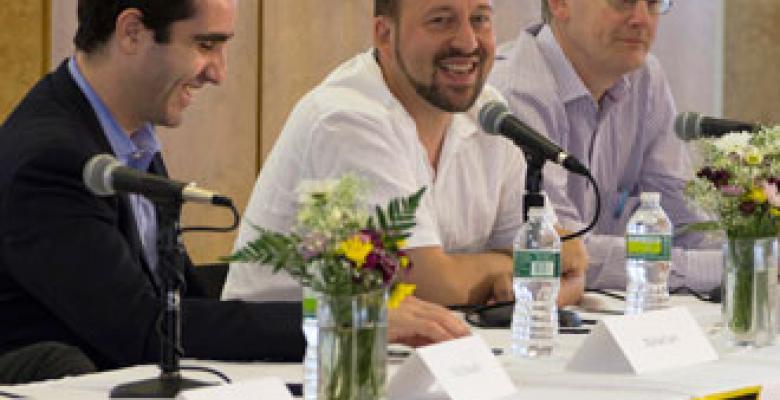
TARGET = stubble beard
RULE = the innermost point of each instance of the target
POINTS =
(432, 93)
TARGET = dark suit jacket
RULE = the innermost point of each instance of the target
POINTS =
(71, 264)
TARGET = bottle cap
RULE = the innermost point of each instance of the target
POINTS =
(650, 197)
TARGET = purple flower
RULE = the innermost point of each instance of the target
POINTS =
(372, 260)
(747, 207)
(720, 178)
(705, 173)
(374, 236)
(731, 190)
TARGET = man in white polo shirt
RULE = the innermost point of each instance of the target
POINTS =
(396, 115)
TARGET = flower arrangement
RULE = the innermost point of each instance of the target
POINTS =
(739, 183)
(336, 248)
(350, 259)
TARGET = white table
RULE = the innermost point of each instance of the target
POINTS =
(535, 378)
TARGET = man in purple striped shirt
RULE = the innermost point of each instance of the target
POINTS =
(586, 79)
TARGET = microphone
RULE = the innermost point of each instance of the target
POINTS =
(692, 125)
(495, 118)
(105, 176)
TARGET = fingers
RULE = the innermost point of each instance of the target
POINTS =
(416, 322)
(502, 288)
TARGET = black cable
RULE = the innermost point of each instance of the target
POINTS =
(608, 294)
(684, 290)
(232, 227)
(210, 370)
(596, 215)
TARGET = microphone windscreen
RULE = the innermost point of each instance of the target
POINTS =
(97, 174)
(491, 115)
(687, 125)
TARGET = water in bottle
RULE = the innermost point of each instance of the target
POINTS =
(310, 332)
(537, 275)
(648, 256)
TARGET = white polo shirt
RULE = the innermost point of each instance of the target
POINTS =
(352, 123)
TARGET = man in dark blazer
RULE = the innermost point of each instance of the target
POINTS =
(81, 270)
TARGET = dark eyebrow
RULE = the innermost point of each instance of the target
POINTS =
(485, 7)
(212, 37)
(482, 7)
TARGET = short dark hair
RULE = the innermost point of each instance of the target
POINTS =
(97, 19)
(388, 8)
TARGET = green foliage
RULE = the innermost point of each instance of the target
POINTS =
(317, 253)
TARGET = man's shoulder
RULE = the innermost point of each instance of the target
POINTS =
(355, 86)
(522, 72)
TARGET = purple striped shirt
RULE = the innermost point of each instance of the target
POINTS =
(625, 139)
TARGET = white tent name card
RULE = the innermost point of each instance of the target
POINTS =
(464, 368)
(264, 388)
(651, 341)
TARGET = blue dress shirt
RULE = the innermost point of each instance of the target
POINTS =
(134, 150)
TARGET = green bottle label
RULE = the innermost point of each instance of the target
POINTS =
(537, 264)
(649, 247)
(309, 307)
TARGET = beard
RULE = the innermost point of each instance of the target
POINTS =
(434, 93)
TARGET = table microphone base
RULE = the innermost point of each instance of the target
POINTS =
(156, 388)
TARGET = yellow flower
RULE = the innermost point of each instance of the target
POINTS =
(401, 243)
(356, 249)
(753, 157)
(775, 212)
(403, 261)
(400, 292)
(757, 195)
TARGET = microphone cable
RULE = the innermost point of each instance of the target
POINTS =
(227, 203)
(596, 215)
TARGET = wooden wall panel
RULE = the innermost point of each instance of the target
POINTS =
(24, 48)
(752, 56)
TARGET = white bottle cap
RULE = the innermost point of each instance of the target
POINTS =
(650, 197)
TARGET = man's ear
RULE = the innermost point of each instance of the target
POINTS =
(384, 35)
(130, 31)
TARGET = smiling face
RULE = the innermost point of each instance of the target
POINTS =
(602, 40)
(438, 50)
(170, 73)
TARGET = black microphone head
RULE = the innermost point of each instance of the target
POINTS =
(687, 125)
(491, 115)
(97, 174)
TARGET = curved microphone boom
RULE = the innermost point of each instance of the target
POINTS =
(105, 176)
(495, 118)
(692, 126)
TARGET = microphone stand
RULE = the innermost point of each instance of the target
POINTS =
(172, 256)
(533, 182)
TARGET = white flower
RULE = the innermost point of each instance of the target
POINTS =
(735, 142)
(307, 188)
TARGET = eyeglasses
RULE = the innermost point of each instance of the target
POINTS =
(656, 7)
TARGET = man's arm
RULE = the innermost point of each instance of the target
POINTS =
(463, 278)
(476, 278)
(419, 323)
(574, 260)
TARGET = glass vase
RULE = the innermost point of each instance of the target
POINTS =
(352, 357)
(749, 290)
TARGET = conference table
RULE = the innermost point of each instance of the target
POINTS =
(738, 370)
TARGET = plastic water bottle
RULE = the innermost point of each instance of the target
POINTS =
(310, 331)
(537, 278)
(648, 256)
